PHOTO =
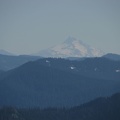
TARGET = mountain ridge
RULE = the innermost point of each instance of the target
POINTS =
(56, 82)
(112, 56)
(4, 52)
(103, 108)
(8, 62)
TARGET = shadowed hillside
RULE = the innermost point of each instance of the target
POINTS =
(52, 82)
(104, 108)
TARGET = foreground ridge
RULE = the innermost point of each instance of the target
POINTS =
(99, 109)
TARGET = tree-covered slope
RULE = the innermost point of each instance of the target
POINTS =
(58, 82)
(104, 108)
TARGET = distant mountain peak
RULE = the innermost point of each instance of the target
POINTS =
(71, 47)
(70, 39)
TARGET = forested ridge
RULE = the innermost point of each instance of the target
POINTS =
(104, 108)
(56, 82)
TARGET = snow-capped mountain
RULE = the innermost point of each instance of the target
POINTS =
(72, 47)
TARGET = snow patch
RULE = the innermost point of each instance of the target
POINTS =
(117, 70)
(72, 68)
(47, 61)
(95, 69)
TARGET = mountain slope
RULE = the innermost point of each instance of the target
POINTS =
(57, 82)
(71, 48)
(8, 62)
(104, 108)
(112, 56)
(4, 52)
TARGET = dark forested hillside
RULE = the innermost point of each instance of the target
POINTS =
(52, 82)
(104, 108)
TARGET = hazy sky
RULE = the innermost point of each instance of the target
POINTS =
(28, 26)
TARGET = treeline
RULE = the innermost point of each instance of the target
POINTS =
(98, 109)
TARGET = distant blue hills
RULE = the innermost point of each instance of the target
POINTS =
(8, 62)
(112, 56)
(4, 52)
(56, 82)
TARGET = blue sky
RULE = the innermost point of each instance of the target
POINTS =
(28, 26)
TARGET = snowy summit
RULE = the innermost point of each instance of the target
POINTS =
(72, 47)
